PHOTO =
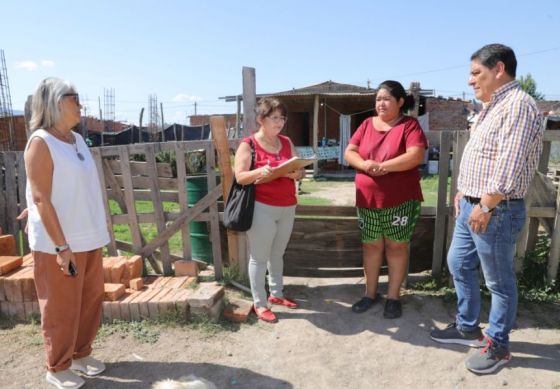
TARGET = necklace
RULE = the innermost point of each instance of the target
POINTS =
(68, 140)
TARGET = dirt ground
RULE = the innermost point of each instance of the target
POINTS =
(321, 345)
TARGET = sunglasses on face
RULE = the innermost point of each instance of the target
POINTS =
(74, 95)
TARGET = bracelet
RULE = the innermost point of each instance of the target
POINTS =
(62, 248)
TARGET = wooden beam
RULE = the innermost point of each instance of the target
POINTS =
(316, 133)
(185, 217)
(182, 197)
(441, 210)
(158, 207)
(218, 128)
(111, 247)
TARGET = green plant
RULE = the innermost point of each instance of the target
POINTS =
(232, 273)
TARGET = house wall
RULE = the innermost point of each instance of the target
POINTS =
(447, 114)
(20, 136)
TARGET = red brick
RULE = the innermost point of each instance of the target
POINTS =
(7, 245)
(186, 268)
(178, 282)
(28, 285)
(9, 263)
(238, 310)
(117, 271)
(107, 311)
(13, 289)
(135, 267)
(136, 283)
(153, 304)
(113, 291)
(107, 266)
(115, 310)
(143, 300)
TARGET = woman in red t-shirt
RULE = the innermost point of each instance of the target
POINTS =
(275, 205)
(385, 151)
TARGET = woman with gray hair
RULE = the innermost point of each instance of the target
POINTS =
(67, 230)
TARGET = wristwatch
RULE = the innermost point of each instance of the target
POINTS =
(62, 248)
(485, 208)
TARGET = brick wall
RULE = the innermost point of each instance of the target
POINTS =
(447, 114)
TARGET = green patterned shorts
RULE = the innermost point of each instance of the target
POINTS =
(396, 223)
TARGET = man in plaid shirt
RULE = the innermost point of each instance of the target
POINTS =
(496, 170)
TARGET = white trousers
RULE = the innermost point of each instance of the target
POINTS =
(268, 237)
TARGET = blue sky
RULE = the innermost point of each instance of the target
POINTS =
(187, 51)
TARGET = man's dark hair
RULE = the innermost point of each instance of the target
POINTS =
(490, 55)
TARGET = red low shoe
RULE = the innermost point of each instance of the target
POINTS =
(265, 314)
(282, 301)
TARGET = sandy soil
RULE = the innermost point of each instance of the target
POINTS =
(321, 345)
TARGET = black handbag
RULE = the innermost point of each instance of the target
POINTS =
(238, 213)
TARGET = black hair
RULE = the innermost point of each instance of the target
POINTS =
(396, 90)
(491, 54)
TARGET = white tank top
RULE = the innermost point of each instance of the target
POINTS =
(76, 197)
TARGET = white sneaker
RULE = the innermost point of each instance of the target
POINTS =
(88, 365)
(65, 379)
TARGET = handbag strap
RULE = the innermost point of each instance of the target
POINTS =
(252, 153)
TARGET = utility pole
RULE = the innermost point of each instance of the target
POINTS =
(195, 108)
(101, 120)
(162, 129)
(140, 123)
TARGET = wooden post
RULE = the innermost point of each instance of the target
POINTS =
(219, 132)
(27, 114)
(249, 126)
(237, 116)
(316, 134)
(441, 208)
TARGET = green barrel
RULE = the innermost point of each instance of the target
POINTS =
(201, 248)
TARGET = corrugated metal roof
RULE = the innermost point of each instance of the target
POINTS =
(330, 88)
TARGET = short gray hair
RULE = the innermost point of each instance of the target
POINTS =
(45, 112)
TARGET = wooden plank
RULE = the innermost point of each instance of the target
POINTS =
(140, 182)
(554, 254)
(11, 195)
(158, 207)
(315, 136)
(22, 183)
(116, 192)
(141, 168)
(214, 217)
(441, 208)
(218, 129)
(111, 247)
(129, 200)
(186, 217)
(182, 199)
(143, 194)
(461, 139)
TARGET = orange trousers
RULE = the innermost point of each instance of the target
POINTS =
(70, 307)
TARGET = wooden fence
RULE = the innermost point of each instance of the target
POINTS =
(323, 237)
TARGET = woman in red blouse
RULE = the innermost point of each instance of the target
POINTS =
(385, 151)
(275, 204)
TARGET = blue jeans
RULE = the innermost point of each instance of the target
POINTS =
(494, 251)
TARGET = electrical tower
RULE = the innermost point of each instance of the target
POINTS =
(153, 124)
(109, 115)
(7, 141)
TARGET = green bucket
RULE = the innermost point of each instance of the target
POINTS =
(201, 248)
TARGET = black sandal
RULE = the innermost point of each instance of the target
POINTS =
(364, 304)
